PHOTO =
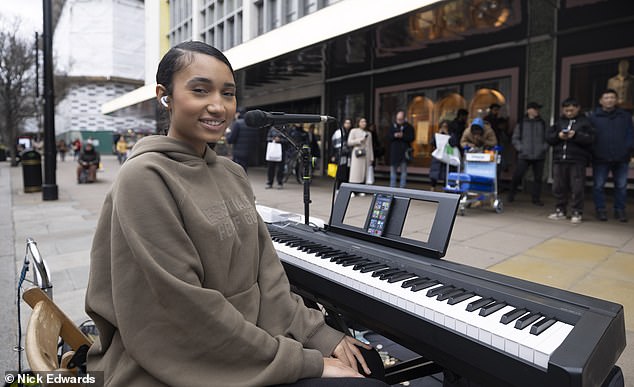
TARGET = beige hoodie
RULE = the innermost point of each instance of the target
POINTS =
(185, 286)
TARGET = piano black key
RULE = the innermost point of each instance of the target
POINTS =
(414, 281)
(369, 268)
(400, 277)
(345, 258)
(475, 305)
(309, 247)
(424, 285)
(527, 320)
(492, 308)
(333, 258)
(387, 276)
(320, 248)
(512, 315)
(364, 264)
(446, 295)
(351, 262)
(440, 289)
(542, 325)
(327, 250)
(332, 253)
(459, 298)
(388, 270)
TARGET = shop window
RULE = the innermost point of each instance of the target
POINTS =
(482, 99)
(588, 80)
(419, 114)
(427, 107)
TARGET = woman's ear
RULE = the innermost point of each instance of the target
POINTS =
(162, 95)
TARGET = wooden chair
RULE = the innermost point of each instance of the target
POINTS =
(46, 325)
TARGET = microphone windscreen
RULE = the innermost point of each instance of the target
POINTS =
(255, 118)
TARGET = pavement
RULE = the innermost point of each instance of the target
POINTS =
(592, 258)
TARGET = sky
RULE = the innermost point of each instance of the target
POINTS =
(29, 11)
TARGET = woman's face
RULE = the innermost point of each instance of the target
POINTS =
(203, 101)
(363, 123)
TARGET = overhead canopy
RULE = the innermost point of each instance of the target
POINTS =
(329, 22)
(132, 103)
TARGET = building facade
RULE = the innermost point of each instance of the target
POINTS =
(352, 59)
(100, 47)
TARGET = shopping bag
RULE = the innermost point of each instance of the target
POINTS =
(369, 177)
(444, 152)
(274, 151)
(332, 170)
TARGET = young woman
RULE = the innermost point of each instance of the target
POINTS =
(185, 286)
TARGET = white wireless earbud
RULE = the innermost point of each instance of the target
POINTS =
(164, 101)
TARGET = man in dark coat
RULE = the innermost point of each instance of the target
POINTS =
(401, 136)
(611, 153)
(244, 140)
(529, 139)
(571, 138)
(457, 127)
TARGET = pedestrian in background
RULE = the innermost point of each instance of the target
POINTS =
(457, 127)
(88, 160)
(244, 140)
(340, 151)
(438, 169)
(360, 140)
(122, 149)
(76, 148)
(62, 148)
(571, 138)
(400, 136)
(478, 137)
(611, 153)
(529, 139)
(275, 169)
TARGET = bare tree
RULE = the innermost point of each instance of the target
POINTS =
(17, 85)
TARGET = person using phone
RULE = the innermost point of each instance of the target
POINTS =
(571, 138)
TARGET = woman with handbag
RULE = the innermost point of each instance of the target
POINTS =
(437, 169)
(360, 140)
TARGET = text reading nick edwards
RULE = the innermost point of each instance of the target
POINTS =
(14, 378)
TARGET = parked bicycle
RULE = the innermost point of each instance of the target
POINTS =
(294, 166)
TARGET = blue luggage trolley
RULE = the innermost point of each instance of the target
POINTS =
(478, 182)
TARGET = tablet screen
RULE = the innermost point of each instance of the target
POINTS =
(379, 214)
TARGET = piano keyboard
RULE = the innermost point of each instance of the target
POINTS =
(519, 332)
(494, 315)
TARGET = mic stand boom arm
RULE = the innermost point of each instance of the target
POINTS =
(306, 160)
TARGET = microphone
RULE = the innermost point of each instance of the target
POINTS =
(258, 118)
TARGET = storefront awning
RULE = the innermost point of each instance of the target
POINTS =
(332, 21)
(129, 100)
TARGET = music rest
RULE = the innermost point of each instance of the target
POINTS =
(432, 241)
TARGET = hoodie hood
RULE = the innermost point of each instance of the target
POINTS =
(174, 149)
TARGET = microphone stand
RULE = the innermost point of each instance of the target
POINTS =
(306, 160)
